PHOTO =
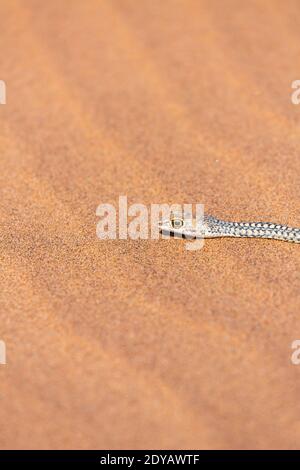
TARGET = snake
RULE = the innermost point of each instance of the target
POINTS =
(212, 227)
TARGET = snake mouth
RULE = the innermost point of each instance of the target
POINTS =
(165, 228)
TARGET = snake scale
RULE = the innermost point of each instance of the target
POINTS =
(211, 227)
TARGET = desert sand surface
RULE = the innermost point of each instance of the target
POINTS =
(140, 343)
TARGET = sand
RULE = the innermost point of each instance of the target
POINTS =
(143, 344)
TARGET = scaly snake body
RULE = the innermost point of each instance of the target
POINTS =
(211, 227)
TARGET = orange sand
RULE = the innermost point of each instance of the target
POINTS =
(143, 344)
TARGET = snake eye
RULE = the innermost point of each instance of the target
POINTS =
(177, 223)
